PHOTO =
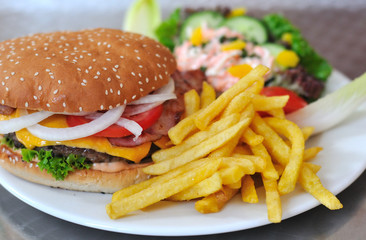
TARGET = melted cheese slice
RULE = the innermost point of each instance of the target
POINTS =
(98, 144)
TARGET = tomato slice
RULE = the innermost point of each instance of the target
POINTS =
(145, 120)
(294, 103)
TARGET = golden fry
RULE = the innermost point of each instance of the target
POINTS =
(262, 103)
(311, 183)
(235, 185)
(197, 151)
(231, 174)
(269, 172)
(273, 200)
(202, 189)
(204, 118)
(293, 133)
(248, 192)
(238, 104)
(307, 131)
(158, 192)
(278, 113)
(216, 201)
(251, 138)
(310, 153)
(314, 167)
(128, 191)
(274, 144)
(183, 128)
(191, 102)
(196, 138)
(208, 95)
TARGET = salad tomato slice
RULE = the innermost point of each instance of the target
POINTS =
(145, 120)
(294, 103)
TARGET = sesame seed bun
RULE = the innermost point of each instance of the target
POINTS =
(83, 71)
(80, 180)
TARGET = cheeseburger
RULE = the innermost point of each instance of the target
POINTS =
(82, 110)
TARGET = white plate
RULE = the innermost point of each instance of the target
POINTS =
(343, 160)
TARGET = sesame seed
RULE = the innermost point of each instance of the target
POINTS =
(39, 87)
(26, 104)
(83, 84)
(59, 81)
(121, 85)
(134, 96)
(110, 106)
(141, 90)
(86, 71)
(64, 104)
(147, 80)
(106, 92)
(36, 74)
(111, 90)
(98, 73)
(108, 59)
(48, 105)
(159, 66)
(140, 66)
(117, 76)
(7, 89)
(119, 92)
(101, 107)
(161, 77)
(6, 78)
(104, 68)
(136, 51)
(157, 55)
(125, 101)
(138, 58)
(55, 92)
(133, 74)
(80, 109)
(12, 73)
(21, 79)
(109, 79)
(140, 82)
(114, 70)
(2, 101)
(35, 97)
(116, 66)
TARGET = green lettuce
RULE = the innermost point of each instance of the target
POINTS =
(313, 63)
(58, 166)
(167, 31)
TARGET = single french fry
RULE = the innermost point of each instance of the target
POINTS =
(251, 138)
(208, 95)
(311, 183)
(291, 131)
(269, 172)
(196, 138)
(235, 185)
(273, 200)
(156, 193)
(216, 201)
(314, 167)
(238, 104)
(257, 87)
(246, 164)
(227, 149)
(278, 113)
(248, 192)
(307, 131)
(204, 118)
(198, 151)
(262, 103)
(202, 189)
(192, 102)
(183, 128)
(130, 190)
(274, 144)
(231, 174)
(310, 153)
(242, 150)
(248, 112)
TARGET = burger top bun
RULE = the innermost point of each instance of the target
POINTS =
(82, 71)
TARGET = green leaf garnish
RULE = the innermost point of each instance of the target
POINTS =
(58, 166)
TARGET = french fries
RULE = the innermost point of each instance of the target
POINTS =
(221, 146)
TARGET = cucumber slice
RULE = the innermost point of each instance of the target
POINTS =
(274, 48)
(211, 18)
(251, 28)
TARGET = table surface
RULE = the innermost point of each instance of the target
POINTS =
(336, 32)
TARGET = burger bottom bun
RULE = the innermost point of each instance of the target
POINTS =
(80, 180)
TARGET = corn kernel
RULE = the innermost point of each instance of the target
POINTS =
(287, 37)
(234, 45)
(288, 58)
(197, 38)
(240, 71)
(237, 12)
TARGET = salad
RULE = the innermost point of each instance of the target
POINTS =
(227, 44)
